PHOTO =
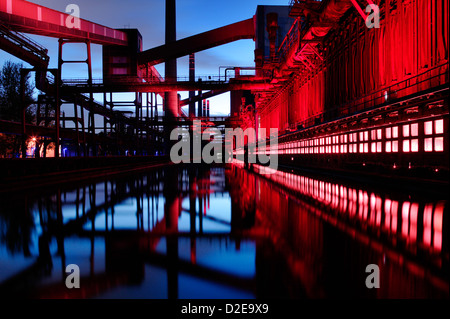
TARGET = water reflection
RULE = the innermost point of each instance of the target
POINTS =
(196, 232)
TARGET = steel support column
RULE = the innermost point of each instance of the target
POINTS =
(171, 98)
(192, 79)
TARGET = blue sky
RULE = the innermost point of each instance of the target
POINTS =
(193, 17)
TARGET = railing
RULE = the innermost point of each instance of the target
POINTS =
(154, 80)
(25, 43)
(294, 2)
(381, 96)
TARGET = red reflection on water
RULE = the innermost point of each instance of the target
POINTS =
(427, 224)
(438, 219)
(368, 207)
(413, 222)
(363, 203)
(405, 218)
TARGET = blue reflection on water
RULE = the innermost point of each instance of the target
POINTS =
(129, 231)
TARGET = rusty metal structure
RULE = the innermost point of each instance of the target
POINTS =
(342, 93)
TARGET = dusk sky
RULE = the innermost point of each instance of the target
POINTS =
(193, 17)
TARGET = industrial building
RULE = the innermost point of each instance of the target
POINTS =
(357, 91)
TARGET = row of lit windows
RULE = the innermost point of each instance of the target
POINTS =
(359, 142)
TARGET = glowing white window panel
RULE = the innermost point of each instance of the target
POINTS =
(351, 138)
(373, 147)
(345, 138)
(366, 148)
(439, 126)
(366, 135)
(388, 132)
(428, 145)
(406, 130)
(373, 134)
(395, 132)
(379, 147)
(415, 145)
(379, 133)
(388, 146)
(439, 144)
(361, 136)
(395, 146)
(429, 128)
(406, 147)
(361, 148)
(415, 129)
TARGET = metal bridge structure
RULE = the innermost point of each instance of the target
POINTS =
(138, 132)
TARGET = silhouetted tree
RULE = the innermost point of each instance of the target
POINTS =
(11, 104)
(10, 95)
